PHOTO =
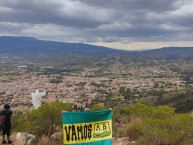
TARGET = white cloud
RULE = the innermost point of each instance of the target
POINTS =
(5, 10)
(115, 26)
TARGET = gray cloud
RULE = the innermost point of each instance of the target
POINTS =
(98, 20)
(130, 5)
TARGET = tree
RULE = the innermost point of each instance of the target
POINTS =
(45, 119)
(125, 92)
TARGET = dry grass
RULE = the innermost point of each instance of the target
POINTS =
(47, 141)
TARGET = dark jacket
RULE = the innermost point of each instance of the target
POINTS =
(8, 114)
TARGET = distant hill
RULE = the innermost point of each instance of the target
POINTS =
(28, 46)
(31, 46)
(169, 52)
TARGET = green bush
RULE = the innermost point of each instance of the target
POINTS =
(97, 107)
(171, 131)
(43, 120)
(158, 125)
(143, 111)
(19, 124)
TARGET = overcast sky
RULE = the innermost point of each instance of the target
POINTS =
(125, 24)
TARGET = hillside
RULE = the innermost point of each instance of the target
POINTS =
(31, 46)
(137, 124)
(169, 52)
(28, 46)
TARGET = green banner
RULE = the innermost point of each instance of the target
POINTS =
(87, 128)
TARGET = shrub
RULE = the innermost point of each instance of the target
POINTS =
(172, 131)
(97, 107)
(43, 120)
(158, 125)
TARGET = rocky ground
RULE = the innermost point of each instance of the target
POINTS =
(123, 141)
(21, 139)
(28, 139)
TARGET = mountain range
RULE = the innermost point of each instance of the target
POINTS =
(31, 46)
(28, 46)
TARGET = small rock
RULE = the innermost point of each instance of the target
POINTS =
(57, 135)
(133, 142)
(24, 139)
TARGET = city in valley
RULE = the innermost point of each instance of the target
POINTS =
(107, 81)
